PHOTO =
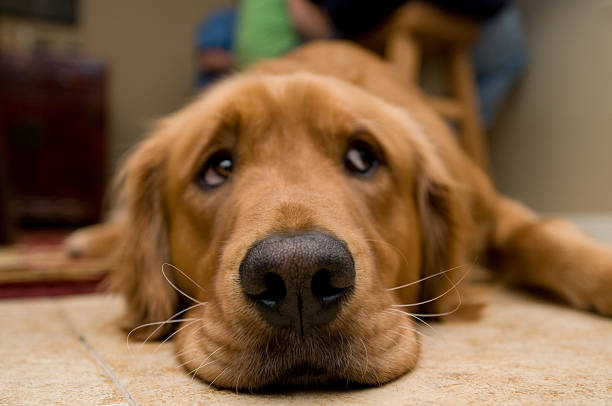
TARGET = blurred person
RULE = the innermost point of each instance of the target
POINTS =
(261, 29)
(214, 55)
(499, 56)
(239, 35)
(270, 28)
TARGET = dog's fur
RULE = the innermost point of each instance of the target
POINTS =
(427, 209)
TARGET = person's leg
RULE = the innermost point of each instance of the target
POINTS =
(499, 57)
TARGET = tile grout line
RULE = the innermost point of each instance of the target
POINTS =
(105, 367)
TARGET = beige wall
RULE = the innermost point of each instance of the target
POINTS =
(148, 45)
(553, 146)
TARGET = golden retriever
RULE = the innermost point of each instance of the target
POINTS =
(312, 208)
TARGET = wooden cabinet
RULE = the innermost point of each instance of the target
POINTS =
(53, 128)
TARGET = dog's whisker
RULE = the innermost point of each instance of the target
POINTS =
(204, 363)
(186, 362)
(221, 373)
(415, 317)
(154, 323)
(427, 277)
(185, 352)
(201, 366)
(172, 317)
(438, 314)
(453, 287)
(173, 285)
(191, 350)
(422, 321)
(184, 274)
(415, 330)
(451, 311)
(404, 327)
(174, 333)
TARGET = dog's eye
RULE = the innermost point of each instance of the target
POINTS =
(216, 171)
(360, 158)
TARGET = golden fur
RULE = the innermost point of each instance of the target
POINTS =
(427, 209)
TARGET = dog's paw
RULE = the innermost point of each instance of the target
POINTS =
(76, 244)
(592, 293)
(601, 300)
(93, 242)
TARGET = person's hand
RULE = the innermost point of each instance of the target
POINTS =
(309, 20)
(215, 60)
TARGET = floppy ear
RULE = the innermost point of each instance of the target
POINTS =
(143, 245)
(441, 211)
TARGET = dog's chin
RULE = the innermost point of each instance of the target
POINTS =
(327, 359)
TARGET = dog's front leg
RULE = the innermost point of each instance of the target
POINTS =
(554, 255)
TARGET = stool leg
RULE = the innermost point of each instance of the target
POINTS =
(464, 88)
(405, 54)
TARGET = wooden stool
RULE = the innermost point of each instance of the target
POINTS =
(418, 26)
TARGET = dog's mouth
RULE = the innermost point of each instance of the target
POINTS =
(306, 376)
(349, 353)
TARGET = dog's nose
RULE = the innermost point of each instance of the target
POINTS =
(298, 281)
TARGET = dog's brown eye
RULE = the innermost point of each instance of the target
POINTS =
(360, 158)
(216, 171)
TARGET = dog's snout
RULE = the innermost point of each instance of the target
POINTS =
(298, 281)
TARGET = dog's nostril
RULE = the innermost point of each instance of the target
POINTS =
(323, 288)
(274, 292)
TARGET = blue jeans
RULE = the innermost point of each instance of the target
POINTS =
(499, 57)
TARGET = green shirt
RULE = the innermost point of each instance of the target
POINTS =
(264, 30)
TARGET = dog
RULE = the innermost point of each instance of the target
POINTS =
(312, 207)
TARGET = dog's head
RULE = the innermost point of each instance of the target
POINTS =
(291, 204)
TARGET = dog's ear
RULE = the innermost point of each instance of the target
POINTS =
(441, 209)
(143, 246)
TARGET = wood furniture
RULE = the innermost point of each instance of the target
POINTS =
(53, 132)
(6, 220)
(417, 27)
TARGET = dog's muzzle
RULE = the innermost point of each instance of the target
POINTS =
(298, 281)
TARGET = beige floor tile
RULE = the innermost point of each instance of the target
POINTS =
(42, 361)
(522, 351)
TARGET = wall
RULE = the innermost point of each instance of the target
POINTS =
(552, 147)
(148, 45)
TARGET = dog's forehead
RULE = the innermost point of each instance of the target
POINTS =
(323, 102)
(299, 98)
(258, 105)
